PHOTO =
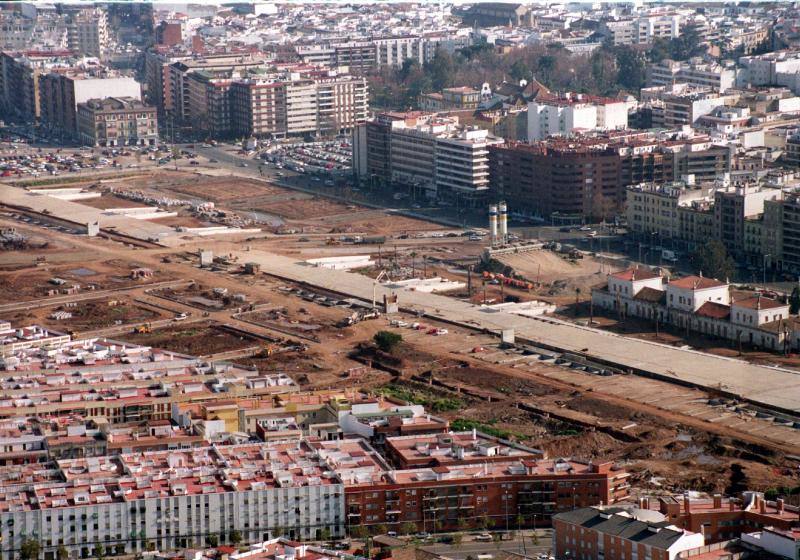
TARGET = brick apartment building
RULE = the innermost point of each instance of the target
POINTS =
(588, 177)
(662, 528)
(478, 482)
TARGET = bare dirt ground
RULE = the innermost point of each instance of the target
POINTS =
(89, 315)
(665, 450)
(108, 200)
(559, 276)
(194, 339)
(32, 282)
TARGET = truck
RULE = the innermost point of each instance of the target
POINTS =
(669, 255)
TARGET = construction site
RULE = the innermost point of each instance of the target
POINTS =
(301, 285)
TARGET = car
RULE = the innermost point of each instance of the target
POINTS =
(592, 233)
(423, 535)
(242, 164)
(212, 160)
(391, 533)
(194, 162)
(584, 228)
(484, 537)
(565, 229)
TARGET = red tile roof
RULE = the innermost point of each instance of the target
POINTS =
(696, 283)
(714, 310)
(635, 274)
(759, 302)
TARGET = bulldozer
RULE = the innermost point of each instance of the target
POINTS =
(142, 329)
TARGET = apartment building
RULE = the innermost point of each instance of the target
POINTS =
(87, 31)
(174, 499)
(652, 209)
(676, 527)
(355, 55)
(683, 109)
(117, 121)
(61, 90)
(175, 89)
(782, 232)
(736, 209)
(642, 30)
(577, 178)
(564, 115)
(613, 533)
(520, 491)
(696, 304)
(209, 101)
(296, 104)
(695, 72)
(429, 156)
(775, 68)
(19, 81)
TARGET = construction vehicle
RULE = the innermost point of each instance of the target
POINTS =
(357, 317)
(143, 329)
(332, 241)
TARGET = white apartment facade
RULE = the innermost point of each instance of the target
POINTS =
(440, 159)
(175, 499)
(563, 116)
(653, 209)
(695, 73)
(642, 30)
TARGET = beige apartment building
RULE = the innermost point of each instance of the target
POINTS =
(117, 121)
(297, 105)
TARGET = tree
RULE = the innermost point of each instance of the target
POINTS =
(235, 537)
(212, 540)
(278, 531)
(712, 260)
(520, 71)
(62, 553)
(520, 521)
(379, 529)
(408, 528)
(99, 551)
(29, 549)
(386, 340)
(631, 65)
(463, 524)
(794, 301)
(457, 539)
(441, 69)
(324, 534)
(359, 532)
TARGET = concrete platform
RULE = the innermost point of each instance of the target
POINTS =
(772, 387)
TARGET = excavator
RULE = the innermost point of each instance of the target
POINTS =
(143, 329)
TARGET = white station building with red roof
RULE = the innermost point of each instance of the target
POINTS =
(700, 305)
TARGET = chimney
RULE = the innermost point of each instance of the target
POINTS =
(641, 504)
(762, 505)
(779, 505)
(687, 506)
(646, 502)
(731, 506)
(717, 501)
